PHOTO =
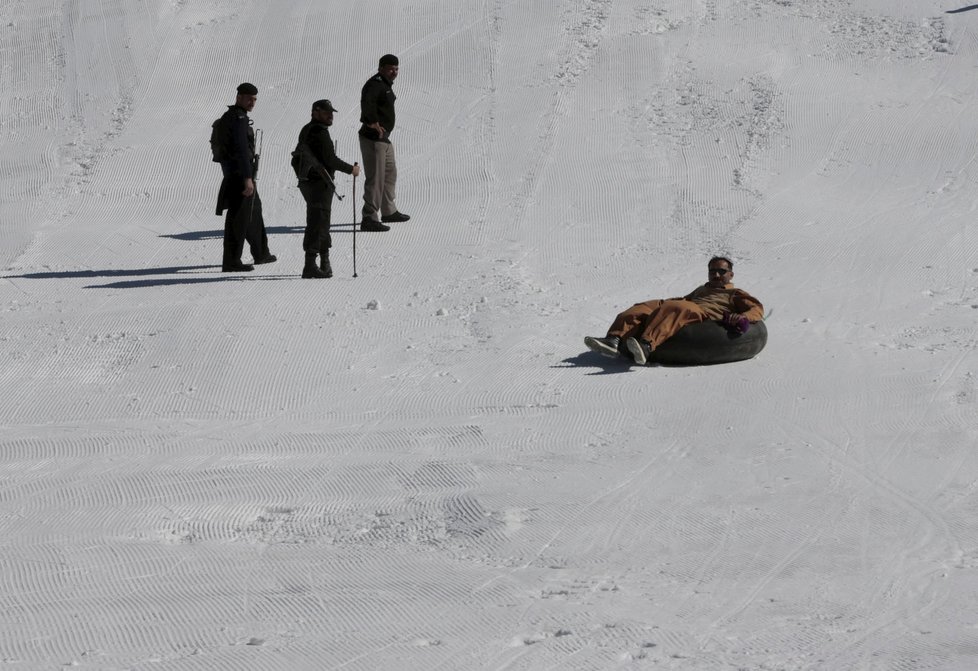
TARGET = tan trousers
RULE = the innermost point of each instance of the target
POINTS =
(379, 179)
(656, 321)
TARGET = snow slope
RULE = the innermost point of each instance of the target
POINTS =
(422, 467)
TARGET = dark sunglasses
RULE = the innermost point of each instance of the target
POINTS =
(718, 271)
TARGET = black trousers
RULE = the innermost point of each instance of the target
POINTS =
(319, 202)
(243, 223)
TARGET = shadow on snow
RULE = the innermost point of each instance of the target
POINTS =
(218, 234)
(589, 359)
(147, 272)
(165, 282)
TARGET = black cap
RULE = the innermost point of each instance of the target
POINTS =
(388, 59)
(324, 105)
(247, 89)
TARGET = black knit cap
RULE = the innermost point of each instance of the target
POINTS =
(247, 89)
(388, 59)
(324, 105)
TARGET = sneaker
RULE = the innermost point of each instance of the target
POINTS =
(236, 267)
(376, 226)
(268, 258)
(395, 218)
(606, 346)
(640, 350)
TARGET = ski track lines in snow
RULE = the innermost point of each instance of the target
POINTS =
(29, 160)
(728, 135)
(348, 506)
(282, 523)
(453, 119)
(581, 27)
(101, 71)
(609, 210)
(868, 512)
(207, 498)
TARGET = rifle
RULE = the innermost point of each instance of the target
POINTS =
(254, 164)
(254, 174)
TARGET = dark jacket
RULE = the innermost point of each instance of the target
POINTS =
(377, 105)
(320, 153)
(241, 163)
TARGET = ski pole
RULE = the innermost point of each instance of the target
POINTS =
(355, 222)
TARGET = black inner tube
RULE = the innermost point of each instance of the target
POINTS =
(708, 343)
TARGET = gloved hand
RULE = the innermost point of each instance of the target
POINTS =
(735, 322)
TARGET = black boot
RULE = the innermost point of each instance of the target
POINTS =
(236, 267)
(324, 264)
(311, 270)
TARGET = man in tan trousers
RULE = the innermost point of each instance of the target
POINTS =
(378, 116)
(645, 326)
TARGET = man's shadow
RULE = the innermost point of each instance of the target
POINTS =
(219, 233)
(134, 272)
(167, 281)
(147, 272)
(962, 9)
(605, 364)
(348, 227)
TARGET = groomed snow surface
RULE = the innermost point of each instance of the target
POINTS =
(423, 468)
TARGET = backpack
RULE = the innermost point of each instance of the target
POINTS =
(303, 160)
(221, 138)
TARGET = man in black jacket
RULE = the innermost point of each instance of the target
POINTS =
(238, 194)
(379, 167)
(316, 164)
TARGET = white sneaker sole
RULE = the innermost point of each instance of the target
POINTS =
(635, 347)
(596, 345)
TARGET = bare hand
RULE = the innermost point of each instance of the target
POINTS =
(380, 129)
(249, 189)
(356, 170)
